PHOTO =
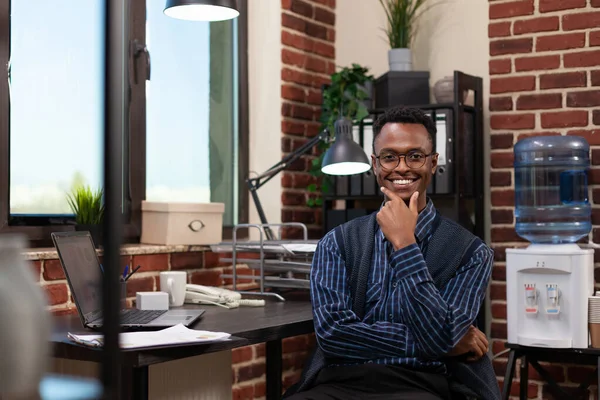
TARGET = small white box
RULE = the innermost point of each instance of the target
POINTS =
(182, 223)
(152, 300)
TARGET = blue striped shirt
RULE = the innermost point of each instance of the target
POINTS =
(407, 320)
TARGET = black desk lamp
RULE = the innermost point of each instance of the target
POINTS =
(344, 157)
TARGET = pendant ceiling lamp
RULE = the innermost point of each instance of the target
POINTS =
(202, 10)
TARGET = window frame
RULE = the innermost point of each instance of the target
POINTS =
(38, 229)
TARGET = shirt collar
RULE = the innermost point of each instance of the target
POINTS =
(424, 222)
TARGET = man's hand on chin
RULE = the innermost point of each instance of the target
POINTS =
(474, 343)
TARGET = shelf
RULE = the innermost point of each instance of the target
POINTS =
(440, 106)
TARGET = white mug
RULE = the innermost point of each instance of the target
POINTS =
(173, 283)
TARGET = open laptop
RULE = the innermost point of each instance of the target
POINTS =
(79, 260)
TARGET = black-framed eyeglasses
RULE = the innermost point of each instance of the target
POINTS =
(414, 159)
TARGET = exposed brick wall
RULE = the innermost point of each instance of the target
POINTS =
(308, 57)
(545, 79)
(204, 268)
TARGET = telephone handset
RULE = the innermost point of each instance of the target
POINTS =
(199, 294)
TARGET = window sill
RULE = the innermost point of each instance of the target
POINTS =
(49, 253)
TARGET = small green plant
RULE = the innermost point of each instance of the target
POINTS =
(402, 18)
(343, 97)
(87, 205)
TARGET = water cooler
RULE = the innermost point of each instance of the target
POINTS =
(548, 282)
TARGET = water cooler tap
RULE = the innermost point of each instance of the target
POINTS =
(552, 297)
(531, 304)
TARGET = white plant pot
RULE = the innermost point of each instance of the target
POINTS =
(400, 59)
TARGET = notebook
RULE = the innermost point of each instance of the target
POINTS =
(80, 263)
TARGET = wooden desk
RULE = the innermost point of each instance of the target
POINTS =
(248, 325)
(532, 355)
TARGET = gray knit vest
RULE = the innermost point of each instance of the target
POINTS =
(450, 245)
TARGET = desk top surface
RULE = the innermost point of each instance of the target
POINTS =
(247, 325)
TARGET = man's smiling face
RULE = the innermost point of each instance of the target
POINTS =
(401, 139)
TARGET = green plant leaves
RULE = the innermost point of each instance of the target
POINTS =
(401, 18)
(87, 205)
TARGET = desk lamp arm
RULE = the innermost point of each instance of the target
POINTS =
(257, 182)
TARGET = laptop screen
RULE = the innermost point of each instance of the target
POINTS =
(78, 258)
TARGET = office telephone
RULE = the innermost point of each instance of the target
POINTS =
(199, 294)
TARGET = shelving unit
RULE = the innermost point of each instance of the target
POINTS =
(280, 263)
(457, 187)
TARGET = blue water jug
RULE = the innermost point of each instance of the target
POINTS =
(551, 189)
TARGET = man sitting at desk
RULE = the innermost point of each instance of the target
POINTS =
(397, 350)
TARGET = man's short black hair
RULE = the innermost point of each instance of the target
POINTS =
(404, 115)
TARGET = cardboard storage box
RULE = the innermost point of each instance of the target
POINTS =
(182, 223)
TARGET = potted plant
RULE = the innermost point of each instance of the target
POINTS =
(88, 207)
(401, 28)
(348, 96)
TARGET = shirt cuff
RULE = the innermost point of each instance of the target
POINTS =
(408, 261)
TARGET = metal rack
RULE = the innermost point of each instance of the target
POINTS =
(281, 263)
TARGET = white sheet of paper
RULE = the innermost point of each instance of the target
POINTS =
(177, 334)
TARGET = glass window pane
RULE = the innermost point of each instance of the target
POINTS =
(56, 89)
(190, 102)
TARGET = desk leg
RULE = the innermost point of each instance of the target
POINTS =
(139, 383)
(508, 376)
(274, 365)
(524, 379)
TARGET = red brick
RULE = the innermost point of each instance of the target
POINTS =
(317, 31)
(501, 159)
(579, 374)
(296, 41)
(499, 271)
(151, 262)
(144, 284)
(212, 260)
(56, 293)
(286, 4)
(302, 8)
(292, 22)
(36, 269)
(595, 3)
(294, 344)
(302, 78)
(512, 84)
(330, 35)
(511, 46)
(324, 49)
(207, 277)
(582, 59)
(502, 198)
(594, 39)
(560, 42)
(537, 63)
(511, 9)
(581, 21)
(241, 354)
(501, 216)
(502, 66)
(497, 291)
(498, 346)
(557, 372)
(539, 101)
(513, 121)
(245, 392)
(292, 128)
(260, 389)
(316, 64)
(563, 80)
(314, 97)
(57, 312)
(501, 141)
(499, 364)
(499, 29)
(533, 134)
(297, 111)
(564, 119)
(596, 117)
(558, 5)
(187, 260)
(591, 135)
(290, 92)
(325, 16)
(542, 24)
(588, 98)
(499, 311)
(294, 58)
(53, 270)
(595, 77)
(501, 103)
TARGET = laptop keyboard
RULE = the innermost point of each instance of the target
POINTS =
(139, 317)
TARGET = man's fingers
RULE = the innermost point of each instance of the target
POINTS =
(414, 205)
